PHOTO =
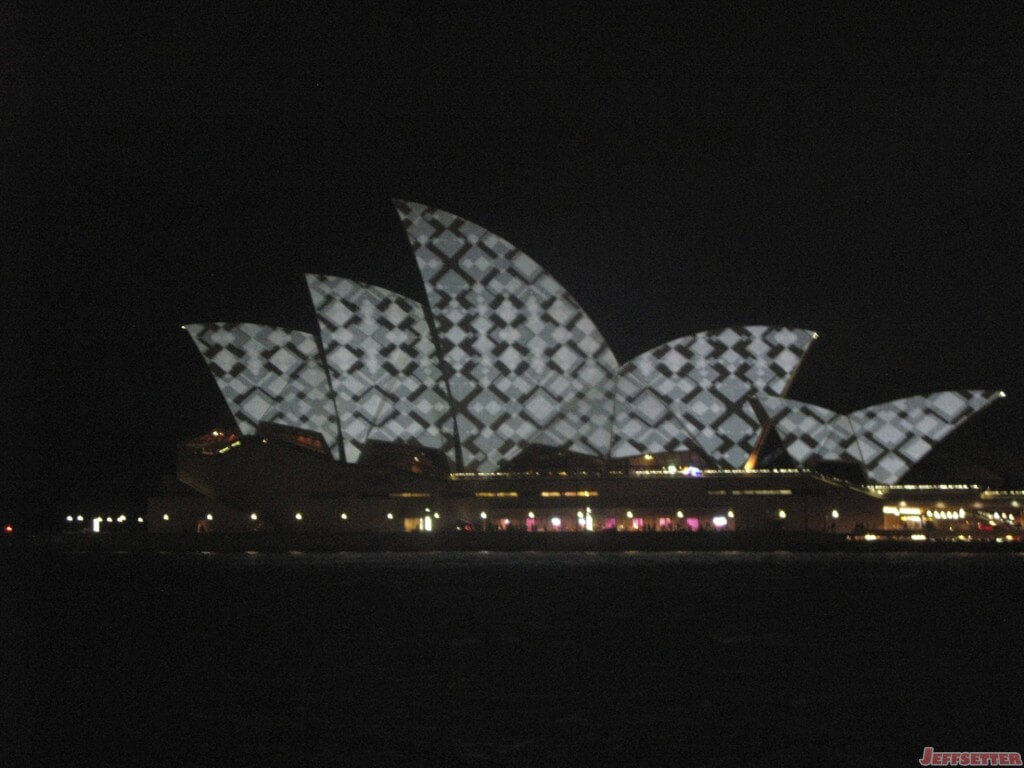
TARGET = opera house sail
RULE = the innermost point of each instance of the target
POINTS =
(270, 375)
(502, 358)
(886, 440)
(524, 362)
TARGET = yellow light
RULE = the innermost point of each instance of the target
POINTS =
(870, 537)
(648, 457)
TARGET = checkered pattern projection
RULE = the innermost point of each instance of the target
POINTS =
(886, 439)
(524, 362)
(269, 374)
(695, 392)
(383, 366)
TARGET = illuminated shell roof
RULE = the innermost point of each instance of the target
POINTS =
(384, 373)
(516, 347)
(885, 439)
(695, 392)
(269, 374)
(506, 358)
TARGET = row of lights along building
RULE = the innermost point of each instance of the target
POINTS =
(267, 486)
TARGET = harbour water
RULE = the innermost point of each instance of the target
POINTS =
(508, 659)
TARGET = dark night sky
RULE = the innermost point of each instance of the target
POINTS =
(859, 175)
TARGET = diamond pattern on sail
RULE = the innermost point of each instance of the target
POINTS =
(810, 433)
(895, 436)
(506, 328)
(383, 366)
(269, 374)
(706, 382)
(887, 439)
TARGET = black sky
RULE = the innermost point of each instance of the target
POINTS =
(856, 174)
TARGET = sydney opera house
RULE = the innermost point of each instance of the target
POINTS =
(500, 405)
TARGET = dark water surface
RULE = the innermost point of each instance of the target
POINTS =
(487, 659)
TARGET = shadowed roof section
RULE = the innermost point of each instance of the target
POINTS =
(524, 362)
(269, 374)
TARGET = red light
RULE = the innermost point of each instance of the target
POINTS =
(8, 529)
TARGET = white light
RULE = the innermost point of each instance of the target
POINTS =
(428, 523)
(579, 515)
(209, 517)
(730, 513)
(110, 519)
(782, 514)
(918, 537)
(437, 515)
(588, 510)
(719, 522)
(96, 524)
(483, 515)
(254, 516)
(80, 518)
(140, 520)
(166, 516)
(427, 510)
(672, 469)
(629, 513)
(390, 516)
(530, 515)
(298, 515)
(835, 514)
(679, 514)
(870, 537)
(344, 515)
(556, 522)
(70, 519)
